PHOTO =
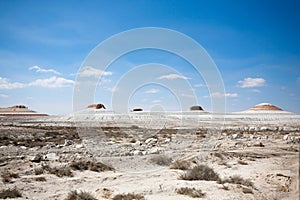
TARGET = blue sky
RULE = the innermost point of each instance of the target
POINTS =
(255, 45)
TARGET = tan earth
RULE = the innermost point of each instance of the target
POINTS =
(53, 159)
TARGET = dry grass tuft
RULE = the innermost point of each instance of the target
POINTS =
(237, 180)
(90, 165)
(200, 172)
(62, 171)
(192, 192)
(10, 193)
(247, 190)
(8, 176)
(38, 171)
(73, 195)
(161, 160)
(41, 179)
(180, 164)
(242, 162)
(129, 196)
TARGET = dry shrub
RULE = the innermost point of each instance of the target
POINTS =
(10, 193)
(73, 195)
(180, 164)
(242, 162)
(129, 196)
(161, 160)
(200, 172)
(247, 190)
(41, 179)
(38, 171)
(192, 192)
(8, 176)
(62, 171)
(90, 165)
(237, 180)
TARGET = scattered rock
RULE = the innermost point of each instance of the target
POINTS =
(150, 141)
(137, 153)
(79, 146)
(286, 137)
(237, 136)
(51, 157)
(154, 150)
(37, 158)
(68, 143)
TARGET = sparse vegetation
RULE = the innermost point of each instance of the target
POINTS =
(74, 195)
(8, 176)
(41, 179)
(247, 190)
(180, 164)
(192, 192)
(62, 171)
(236, 180)
(129, 196)
(38, 171)
(161, 160)
(10, 193)
(200, 172)
(90, 165)
(241, 162)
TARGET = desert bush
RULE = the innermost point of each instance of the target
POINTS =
(192, 192)
(10, 193)
(74, 195)
(8, 176)
(41, 179)
(247, 190)
(242, 162)
(62, 171)
(161, 160)
(200, 172)
(129, 196)
(236, 180)
(38, 171)
(90, 165)
(180, 164)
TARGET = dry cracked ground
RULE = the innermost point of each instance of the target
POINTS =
(40, 161)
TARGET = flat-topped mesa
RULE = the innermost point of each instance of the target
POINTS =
(19, 110)
(265, 107)
(196, 108)
(97, 106)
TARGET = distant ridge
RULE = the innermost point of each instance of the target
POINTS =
(265, 106)
(19, 110)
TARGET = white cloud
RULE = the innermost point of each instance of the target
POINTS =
(152, 91)
(52, 82)
(3, 96)
(156, 101)
(221, 95)
(39, 69)
(111, 89)
(5, 84)
(187, 95)
(255, 90)
(199, 85)
(88, 71)
(252, 82)
(172, 76)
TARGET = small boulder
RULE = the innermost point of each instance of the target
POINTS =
(237, 136)
(286, 137)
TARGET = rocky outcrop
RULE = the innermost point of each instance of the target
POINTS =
(265, 106)
(97, 106)
(196, 108)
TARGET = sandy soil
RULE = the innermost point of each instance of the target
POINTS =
(142, 158)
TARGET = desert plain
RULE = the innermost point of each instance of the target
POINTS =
(98, 154)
